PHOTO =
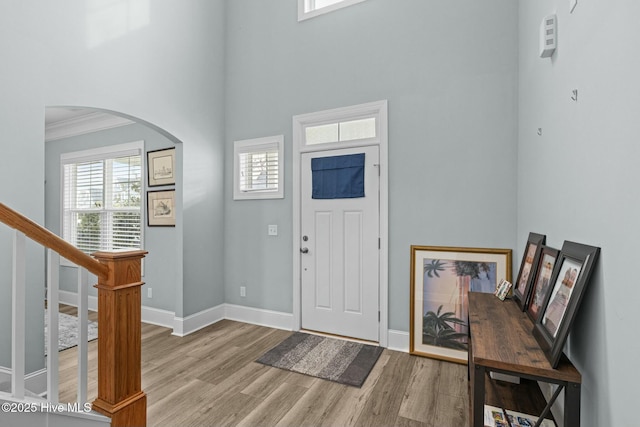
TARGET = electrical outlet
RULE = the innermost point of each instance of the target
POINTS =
(273, 230)
(149, 293)
(243, 291)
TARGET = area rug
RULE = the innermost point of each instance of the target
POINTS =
(68, 331)
(331, 359)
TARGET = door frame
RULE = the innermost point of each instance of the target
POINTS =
(379, 110)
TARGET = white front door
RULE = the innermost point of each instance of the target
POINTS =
(340, 254)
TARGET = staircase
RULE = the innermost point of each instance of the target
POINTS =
(120, 401)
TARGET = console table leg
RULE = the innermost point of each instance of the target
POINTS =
(479, 374)
(572, 405)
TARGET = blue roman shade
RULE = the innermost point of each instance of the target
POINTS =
(338, 177)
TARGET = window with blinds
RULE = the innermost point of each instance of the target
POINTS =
(258, 168)
(102, 198)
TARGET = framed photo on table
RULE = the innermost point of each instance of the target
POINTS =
(523, 285)
(441, 278)
(161, 208)
(571, 274)
(161, 167)
(540, 288)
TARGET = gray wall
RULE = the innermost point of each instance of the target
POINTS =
(579, 181)
(21, 136)
(161, 271)
(450, 78)
(167, 71)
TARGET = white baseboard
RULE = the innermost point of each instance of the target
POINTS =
(35, 382)
(183, 326)
(398, 341)
(159, 317)
(258, 316)
(71, 298)
(152, 315)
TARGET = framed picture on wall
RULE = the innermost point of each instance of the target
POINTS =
(527, 271)
(161, 167)
(571, 274)
(441, 278)
(540, 287)
(161, 208)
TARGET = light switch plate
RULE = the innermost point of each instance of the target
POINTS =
(273, 230)
(572, 5)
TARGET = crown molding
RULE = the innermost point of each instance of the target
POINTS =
(87, 123)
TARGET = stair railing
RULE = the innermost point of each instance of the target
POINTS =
(120, 394)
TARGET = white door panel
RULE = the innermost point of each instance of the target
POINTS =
(340, 271)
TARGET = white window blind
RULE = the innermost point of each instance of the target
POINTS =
(102, 194)
(258, 168)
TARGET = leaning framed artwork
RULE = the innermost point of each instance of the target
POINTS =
(571, 274)
(161, 167)
(540, 288)
(441, 278)
(527, 271)
(161, 208)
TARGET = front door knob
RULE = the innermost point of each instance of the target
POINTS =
(304, 250)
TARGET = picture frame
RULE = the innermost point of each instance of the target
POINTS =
(522, 286)
(571, 275)
(161, 208)
(540, 286)
(161, 167)
(441, 278)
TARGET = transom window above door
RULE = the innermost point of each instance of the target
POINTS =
(310, 8)
(357, 125)
(347, 130)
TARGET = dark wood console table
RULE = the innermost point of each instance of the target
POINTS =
(501, 341)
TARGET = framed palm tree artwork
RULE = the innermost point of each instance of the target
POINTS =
(441, 278)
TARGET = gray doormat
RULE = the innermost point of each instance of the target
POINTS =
(344, 362)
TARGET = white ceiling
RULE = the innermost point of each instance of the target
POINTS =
(55, 115)
(63, 122)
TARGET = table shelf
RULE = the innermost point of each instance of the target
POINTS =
(501, 341)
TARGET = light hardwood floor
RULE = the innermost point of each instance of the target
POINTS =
(210, 378)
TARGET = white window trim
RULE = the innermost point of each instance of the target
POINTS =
(247, 145)
(302, 15)
(130, 148)
(338, 115)
(378, 110)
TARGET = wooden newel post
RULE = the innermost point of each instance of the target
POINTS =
(120, 394)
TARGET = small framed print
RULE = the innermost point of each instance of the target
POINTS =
(161, 167)
(540, 288)
(523, 285)
(503, 289)
(161, 208)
